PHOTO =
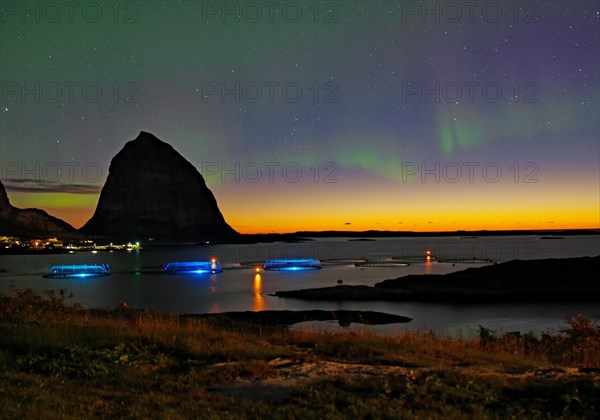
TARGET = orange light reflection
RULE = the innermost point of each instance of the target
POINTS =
(259, 301)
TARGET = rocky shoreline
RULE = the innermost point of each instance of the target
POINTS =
(283, 318)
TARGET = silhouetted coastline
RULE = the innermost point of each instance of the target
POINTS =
(544, 280)
(282, 318)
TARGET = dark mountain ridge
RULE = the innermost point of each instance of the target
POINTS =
(30, 223)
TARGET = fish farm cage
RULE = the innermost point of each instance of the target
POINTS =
(382, 264)
(78, 271)
(417, 258)
(466, 261)
(292, 265)
(343, 261)
(192, 267)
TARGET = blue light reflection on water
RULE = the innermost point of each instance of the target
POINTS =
(137, 280)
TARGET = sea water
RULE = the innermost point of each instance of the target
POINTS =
(137, 279)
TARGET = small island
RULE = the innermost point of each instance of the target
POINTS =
(544, 280)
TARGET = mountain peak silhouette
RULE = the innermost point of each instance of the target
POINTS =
(152, 191)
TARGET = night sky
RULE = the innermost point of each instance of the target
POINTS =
(371, 114)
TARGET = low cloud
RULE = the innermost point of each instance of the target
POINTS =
(32, 186)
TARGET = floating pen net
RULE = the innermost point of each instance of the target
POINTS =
(78, 270)
(382, 264)
(192, 267)
(417, 258)
(292, 264)
(466, 261)
(343, 261)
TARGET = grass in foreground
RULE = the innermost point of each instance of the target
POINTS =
(61, 361)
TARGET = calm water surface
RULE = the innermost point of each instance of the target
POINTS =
(136, 281)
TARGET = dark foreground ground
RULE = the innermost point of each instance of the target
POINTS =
(60, 361)
(547, 280)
